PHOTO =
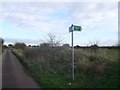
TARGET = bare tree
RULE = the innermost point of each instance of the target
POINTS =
(54, 45)
(94, 46)
(53, 40)
(94, 43)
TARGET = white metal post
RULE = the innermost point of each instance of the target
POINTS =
(71, 29)
(72, 58)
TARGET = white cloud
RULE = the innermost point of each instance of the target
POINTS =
(28, 41)
(57, 17)
(102, 13)
(88, 12)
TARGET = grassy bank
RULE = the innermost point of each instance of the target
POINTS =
(91, 71)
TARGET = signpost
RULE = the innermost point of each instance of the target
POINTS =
(71, 29)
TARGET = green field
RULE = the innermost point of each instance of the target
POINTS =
(51, 67)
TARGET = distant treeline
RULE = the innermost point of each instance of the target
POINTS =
(53, 45)
(108, 47)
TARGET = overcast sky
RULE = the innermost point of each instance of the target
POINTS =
(30, 22)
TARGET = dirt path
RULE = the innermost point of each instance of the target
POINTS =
(13, 73)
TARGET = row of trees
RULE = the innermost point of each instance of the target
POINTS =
(20, 45)
(51, 41)
(17, 45)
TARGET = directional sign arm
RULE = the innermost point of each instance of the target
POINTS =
(77, 28)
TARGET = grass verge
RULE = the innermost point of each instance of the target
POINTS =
(56, 80)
